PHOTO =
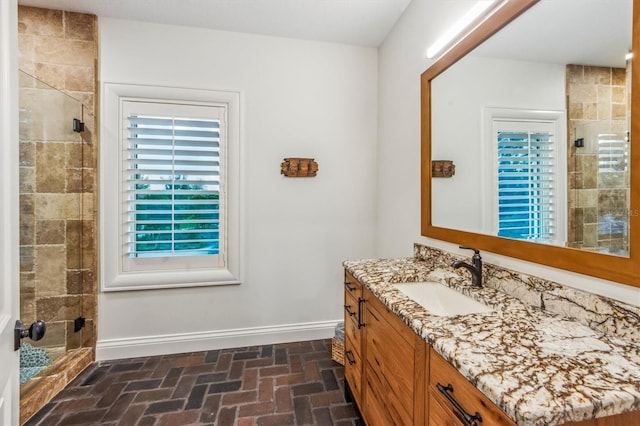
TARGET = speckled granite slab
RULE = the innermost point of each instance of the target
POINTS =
(600, 313)
(547, 355)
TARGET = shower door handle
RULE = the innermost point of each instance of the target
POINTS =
(35, 332)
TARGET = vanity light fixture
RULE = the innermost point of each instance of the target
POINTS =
(628, 56)
(463, 26)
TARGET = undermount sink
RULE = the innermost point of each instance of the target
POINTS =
(441, 300)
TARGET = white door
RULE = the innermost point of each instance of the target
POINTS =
(9, 244)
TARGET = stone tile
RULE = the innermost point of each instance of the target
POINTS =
(329, 380)
(227, 416)
(255, 409)
(59, 308)
(39, 21)
(79, 78)
(66, 52)
(143, 385)
(302, 409)
(26, 55)
(53, 74)
(241, 397)
(575, 73)
(57, 206)
(278, 420)
(74, 284)
(79, 26)
(597, 75)
(165, 406)
(618, 94)
(618, 76)
(50, 231)
(196, 397)
(152, 395)
(225, 387)
(307, 388)
(74, 244)
(179, 418)
(618, 111)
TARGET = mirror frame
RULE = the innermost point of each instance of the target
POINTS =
(624, 270)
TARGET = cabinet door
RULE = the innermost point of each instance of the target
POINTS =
(389, 367)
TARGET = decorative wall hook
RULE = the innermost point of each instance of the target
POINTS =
(442, 168)
(299, 167)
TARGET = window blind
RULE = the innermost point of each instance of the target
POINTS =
(172, 186)
(613, 152)
(525, 184)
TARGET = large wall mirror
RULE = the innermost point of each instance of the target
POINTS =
(536, 110)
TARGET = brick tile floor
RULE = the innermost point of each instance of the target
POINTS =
(285, 384)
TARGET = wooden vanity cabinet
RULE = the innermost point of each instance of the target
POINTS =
(385, 361)
(393, 375)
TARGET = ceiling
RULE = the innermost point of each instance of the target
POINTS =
(593, 32)
(358, 22)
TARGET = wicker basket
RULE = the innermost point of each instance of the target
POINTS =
(337, 351)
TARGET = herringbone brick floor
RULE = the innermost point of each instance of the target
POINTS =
(284, 384)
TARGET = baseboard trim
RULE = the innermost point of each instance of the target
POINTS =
(211, 340)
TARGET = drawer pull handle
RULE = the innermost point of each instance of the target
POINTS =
(360, 302)
(350, 357)
(348, 309)
(349, 287)
(471, 420)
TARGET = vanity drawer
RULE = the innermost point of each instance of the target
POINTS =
(464, 393)
(352, 313)
(351, 285)
(353, 370)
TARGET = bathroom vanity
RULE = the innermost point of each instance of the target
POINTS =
(543, 354)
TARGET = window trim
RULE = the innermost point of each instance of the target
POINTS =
(113, 276)
(489, 159)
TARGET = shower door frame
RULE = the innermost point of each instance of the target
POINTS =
(9, 260)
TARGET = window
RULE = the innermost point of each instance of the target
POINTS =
(172, 172)
(526, 149)
(526, 180)
(171, 210)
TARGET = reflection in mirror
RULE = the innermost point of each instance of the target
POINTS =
(536, 120)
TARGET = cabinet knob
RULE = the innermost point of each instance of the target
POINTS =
(348, 309)
(350, 357)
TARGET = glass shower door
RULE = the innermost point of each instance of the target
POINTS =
(51, 206)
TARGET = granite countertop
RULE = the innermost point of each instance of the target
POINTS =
(540, 367)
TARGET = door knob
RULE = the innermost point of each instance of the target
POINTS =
(35, 332)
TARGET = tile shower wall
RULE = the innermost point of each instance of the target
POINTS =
(598, 205)
(58, 214)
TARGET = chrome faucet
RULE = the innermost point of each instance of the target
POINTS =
(475, 268)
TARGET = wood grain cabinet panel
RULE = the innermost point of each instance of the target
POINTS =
(473, 401)
(389, 369)
(467, 396)
(353, 336)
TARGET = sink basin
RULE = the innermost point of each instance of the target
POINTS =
(441, 300)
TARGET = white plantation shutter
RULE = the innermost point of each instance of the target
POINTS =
(172, 188)
(526, 179)
(613, 152)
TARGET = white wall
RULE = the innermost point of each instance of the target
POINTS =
(299, 99)
(401, 61)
